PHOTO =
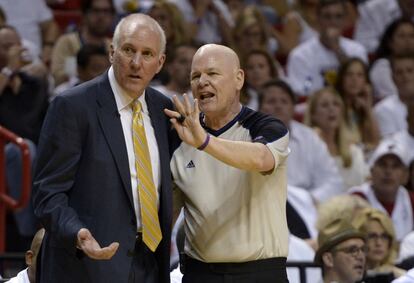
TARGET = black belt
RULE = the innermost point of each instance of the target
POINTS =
(237, 267)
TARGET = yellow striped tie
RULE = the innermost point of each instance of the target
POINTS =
(151, 232)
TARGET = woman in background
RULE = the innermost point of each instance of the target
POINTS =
(353, 86)
(380, 240)
(325, 115)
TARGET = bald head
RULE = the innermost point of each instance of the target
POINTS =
(133, 22)
(220, 52)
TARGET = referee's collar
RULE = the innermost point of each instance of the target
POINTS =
(230, 124)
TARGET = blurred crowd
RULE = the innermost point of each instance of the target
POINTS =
(339, 74)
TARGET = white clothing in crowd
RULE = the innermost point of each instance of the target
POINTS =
(358, 172)
(406, 278)
(26, 16)
(299, 250)
(310, 63)
(208, 26)
(374, 17)
(391, 115)
(21, 277)
(380, 75)
(301, 200)
(402, 214)
(310, 166)
(406, 247)
(307, 31)
(407, 141)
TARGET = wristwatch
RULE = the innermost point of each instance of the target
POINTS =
(7, 72)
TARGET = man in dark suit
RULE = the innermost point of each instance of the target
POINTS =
(89, 179)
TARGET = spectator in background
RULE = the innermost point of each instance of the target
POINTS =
(259, 67)
(407, 278)
(23, 105)
(96, 26)
(375, 16)
(178, 67)
(301, 24)
(33, 66)
(341, 253)
(385, 191)
(391, 112)
(406, 139)
(354, 87)
(253, 32)
(382, 246)
(176, 30)
(310, 165)
(29, 274)
(23, 98)
(398, 39)
(325, 115)
(34, 22)
(314, 63)
(172, 21)
(208, 21)
(91, 61)
(342, 206)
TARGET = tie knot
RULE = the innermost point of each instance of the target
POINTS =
(136, 106)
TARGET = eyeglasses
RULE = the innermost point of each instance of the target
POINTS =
(352, 250)
(375, 236)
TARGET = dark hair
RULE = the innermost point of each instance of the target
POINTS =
(403, 56)
(87, 6)
(276, 83)
(172, 52)
(3, 15)
(87, 51)
(8, 27)
(269, 59)
(384, 49)
(339, 85)
(324, 3)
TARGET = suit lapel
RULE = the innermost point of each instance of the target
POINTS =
(112, 128)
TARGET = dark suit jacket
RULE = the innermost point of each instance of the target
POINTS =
(82, 179)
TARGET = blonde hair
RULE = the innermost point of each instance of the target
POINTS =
(371, 214)
(180, 34)
(342, 137)
(249, 16)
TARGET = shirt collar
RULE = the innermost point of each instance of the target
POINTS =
(123, 100)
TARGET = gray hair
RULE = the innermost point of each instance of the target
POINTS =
(140, 19)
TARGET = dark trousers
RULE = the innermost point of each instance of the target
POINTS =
(272, 270)
(144, 268)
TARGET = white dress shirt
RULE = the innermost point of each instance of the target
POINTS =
(123, 102)
(310, 166)
(391, 115)
(309, 62)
